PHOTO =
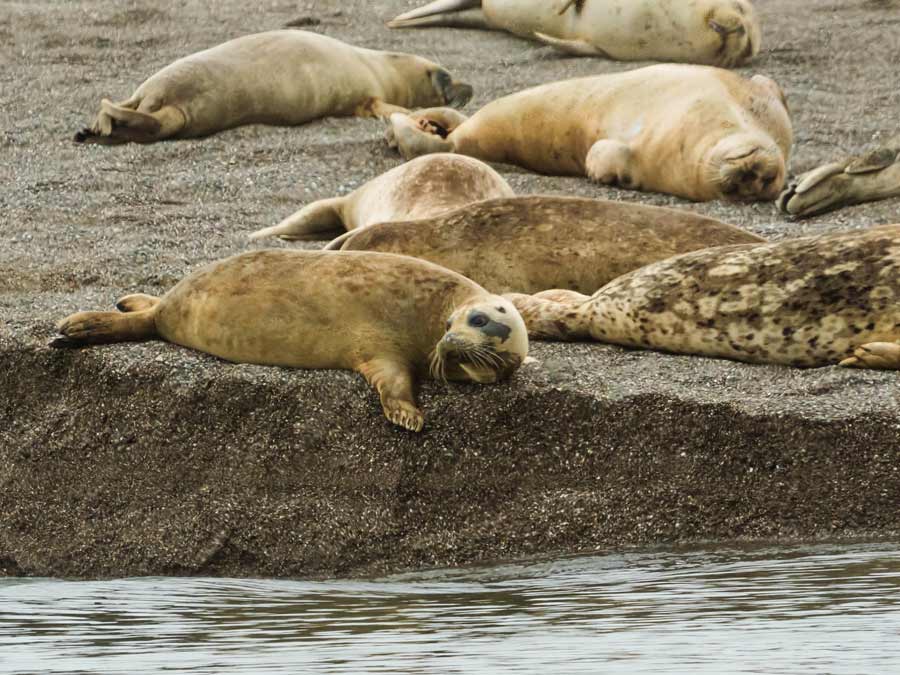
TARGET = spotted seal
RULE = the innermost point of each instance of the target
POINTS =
(391, 318)
(697, 132)
(812, 301)
(424, 187)
(722, 33)
(282, 77)
(538, 242)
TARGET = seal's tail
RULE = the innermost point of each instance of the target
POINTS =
(444, 13)
(95, 328)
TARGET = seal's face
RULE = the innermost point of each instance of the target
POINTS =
(485, 342)
(454, 94)
(735, 27)
(748, 171)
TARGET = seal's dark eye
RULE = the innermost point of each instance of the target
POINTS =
(449, 323)
(478, 320)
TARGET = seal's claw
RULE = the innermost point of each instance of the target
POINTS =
(405, 415)
(876, 355)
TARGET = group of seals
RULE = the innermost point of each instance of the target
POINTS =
(692, 131)
(668, 279)
(812, 301)
(283, 78)
(713, 32)
(391, 318)
(418, 189)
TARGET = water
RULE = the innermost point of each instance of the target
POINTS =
(821, 609)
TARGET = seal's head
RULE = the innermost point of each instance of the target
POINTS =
(735, 30)
(454, 94)
(745, 168)
(485, 341)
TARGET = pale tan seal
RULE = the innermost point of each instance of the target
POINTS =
(870, 177)
(693, 131)
(803, 302)
(283, 77)
(712, 32)
(424, 187)
(388, 317)
(534, 243)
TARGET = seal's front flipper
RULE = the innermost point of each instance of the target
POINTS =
(871, 177)
(375, 107)
(550, 320)
(94, 328)
(137, 302)
(117, 123)
(573, 47)
(318, 220)
(877, 355)
(444, 13)
(611, 163)
(393, 381)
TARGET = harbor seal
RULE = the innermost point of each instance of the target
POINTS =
(390, 318)
(722, 33)
(535, 243)
(867, 178)
(692, 131)
(282, 77)
(812, 301)
(424, 187)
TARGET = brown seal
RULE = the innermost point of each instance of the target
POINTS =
(693, 131)
(391, 318)
(534, 243)
(713, 32)
(870, 177)
(424, 187)
(283, 77)
(812, 301)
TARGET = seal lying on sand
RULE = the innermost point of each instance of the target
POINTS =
(873, 176)
(692, 131)
(283, 77)
(804, 302)
(534, 243)
(424, 187)
(389, 317)
(713, 32)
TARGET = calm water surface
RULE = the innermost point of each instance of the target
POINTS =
(821, 609)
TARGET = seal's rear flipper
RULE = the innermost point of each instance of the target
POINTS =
(548, 319)
(443, 13)
(877, 355)
(318, 220)
(870, 177)
(94, 328)
(120, 124)
(416, 137)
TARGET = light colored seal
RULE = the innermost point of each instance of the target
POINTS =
(424, 187)
(803, 302)
(713, 32)
(693, 131)
(534, 243)
(870, 177)
(283, 77)
(388, 317)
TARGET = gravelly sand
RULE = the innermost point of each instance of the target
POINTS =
(141, 459)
